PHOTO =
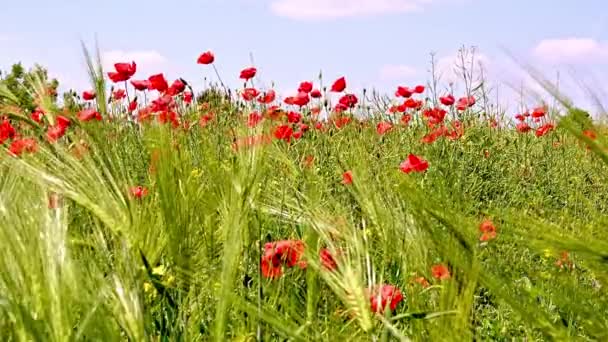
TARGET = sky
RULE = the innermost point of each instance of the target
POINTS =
(374, 43)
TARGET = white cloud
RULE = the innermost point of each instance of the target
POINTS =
(571, 50)
(148, 61)
(330, 9)
(397, 72)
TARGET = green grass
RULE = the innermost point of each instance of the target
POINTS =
(183, 262)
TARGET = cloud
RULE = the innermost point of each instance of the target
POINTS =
(397, 72)
(331, 9)
(148, 61)
(571, 50)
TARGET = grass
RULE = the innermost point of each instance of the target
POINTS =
(183, 261)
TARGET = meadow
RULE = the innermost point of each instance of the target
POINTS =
(150, 212)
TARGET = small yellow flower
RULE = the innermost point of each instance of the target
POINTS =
(548, 253)
(195, 173)
(160, 270)
(170, 280)
(148, 287)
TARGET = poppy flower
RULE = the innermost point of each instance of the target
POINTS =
(305, 87)
(419, 89)
(315, 94)
(435, 134)
(340, 107)
(347, 178)
(281, 253)
(158, 82)
(126, 68)
(544, 129)
(119, 94)
(434, 115)
(188, 97)
(132, 105)
(298, 134)
(315, 110)
(523, 127)
(168, 116)
(37, 115)
(385, 296)
(327, 259)
(205, 119)
(488, 230)
(293, 117)
(456, 132)
(7, 131)
(341, 121)
(383, 127)
(249, 94)
(564, 261)
(138, 191)
(88, 95)
(177, 87)
(274, 112)
(18, 146)
(283, 132)
(404, 92)
(465, 102)
(447, 100)
(254, 119)
(590, 134)
(268, 97)
(405, 119)
(414, 163)
(348, 100)
(539, 112)
(55, 132)
(302, 99)
(141, 85)
(412, 104)
(440, 272)
(118, 77)
(248, 73)
(206, 58)
(88, 115)
(520, 117)
(339, 85)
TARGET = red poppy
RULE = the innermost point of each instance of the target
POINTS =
(88, 115)
(206, 58)
(341, 121)
(132, 105)
(177, 87)
(564, 261)
(249, 94)
(414, 163)
(327, 259)
(168, 116)
(37, 115)
(405, 119)
(447, 100)
(544, 129)
(283, 132)
(347, 178)
(117, 77)
(383, 127)
(298, 134)
(302, 99)
(294, 117)
(268, 97)
(274, 112)
(413, 104)
(385, 295)
(188, 97)
(254, 119)
(590, 134)
(55, 132)
(304, 127)
(18, 146)
(539, 112)
(339, 85)
(119, 94)
(88, 95)
(457, 131)
(158, 82)
(340, 107)
(205, 119)
(404, 92)
(440, 272)
(305, 87)
(465, 102)
(434, 115)
(281, 253)
(138, 191)
(7, 131)
(141, 85)
(126, 68)
(419, 89)
(523, 127)
(488, 230)
(435, 134)
(520, 117)
(315, 94)
(348, 100)
(248, 73)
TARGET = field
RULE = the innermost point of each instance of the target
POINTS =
(323, 216)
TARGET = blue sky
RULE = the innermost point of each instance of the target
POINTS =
(374, 43)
